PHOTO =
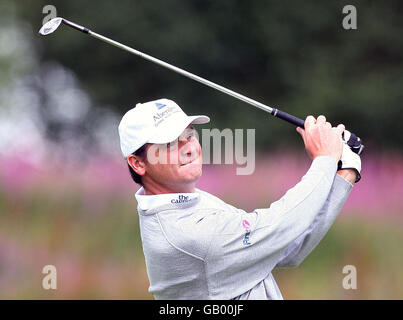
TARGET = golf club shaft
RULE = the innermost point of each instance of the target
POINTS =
(273, 111)
(354, 141)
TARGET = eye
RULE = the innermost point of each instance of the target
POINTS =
(171, 144)
(190, 133)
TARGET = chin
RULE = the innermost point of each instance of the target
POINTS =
(191, 172)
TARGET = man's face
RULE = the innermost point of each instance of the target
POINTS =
(175, 164)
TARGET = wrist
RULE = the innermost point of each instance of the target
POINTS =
(349, 175)
(326, 155)
(350, 162)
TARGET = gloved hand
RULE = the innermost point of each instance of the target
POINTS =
(354, 142)
(350, 160)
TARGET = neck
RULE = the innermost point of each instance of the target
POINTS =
(152, 188)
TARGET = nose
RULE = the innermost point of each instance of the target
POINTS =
(188, 146)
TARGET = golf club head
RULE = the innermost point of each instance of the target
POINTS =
(50, 26)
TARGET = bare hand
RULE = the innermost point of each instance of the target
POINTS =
(321, 139)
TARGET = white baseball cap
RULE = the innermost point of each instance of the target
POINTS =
(160, 121)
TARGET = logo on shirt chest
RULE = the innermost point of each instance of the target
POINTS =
(246, 226)
(181, 199)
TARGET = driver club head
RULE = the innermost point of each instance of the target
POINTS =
(50, 26)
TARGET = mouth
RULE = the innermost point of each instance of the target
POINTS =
(189, 162)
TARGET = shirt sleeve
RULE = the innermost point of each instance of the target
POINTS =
(245, 247)
(304, 244)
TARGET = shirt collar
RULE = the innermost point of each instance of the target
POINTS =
(148, 202)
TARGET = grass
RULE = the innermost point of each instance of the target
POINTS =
(86, 225)
(373, 248)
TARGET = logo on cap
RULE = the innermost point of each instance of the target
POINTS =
(160, 105)
(162, 115)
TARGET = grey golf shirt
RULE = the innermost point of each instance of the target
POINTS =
(196, 246)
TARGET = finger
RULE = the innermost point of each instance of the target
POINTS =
(321, 120)
(328, 125)
(302, 133)
(340, 128)
(309, 121)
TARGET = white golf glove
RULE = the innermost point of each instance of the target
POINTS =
(350, 160)
(353, 142)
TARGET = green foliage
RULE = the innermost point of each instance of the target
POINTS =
(291, 54)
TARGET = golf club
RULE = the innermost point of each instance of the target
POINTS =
(353, 141)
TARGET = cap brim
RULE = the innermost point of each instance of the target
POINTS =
(168, 134)
(199, 119)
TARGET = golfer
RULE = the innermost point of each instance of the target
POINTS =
(196, 246)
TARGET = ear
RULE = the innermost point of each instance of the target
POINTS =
(137, 164)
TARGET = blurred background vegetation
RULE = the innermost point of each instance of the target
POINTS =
(65, 194)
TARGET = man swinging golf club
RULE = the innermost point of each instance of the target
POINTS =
(196, 246)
